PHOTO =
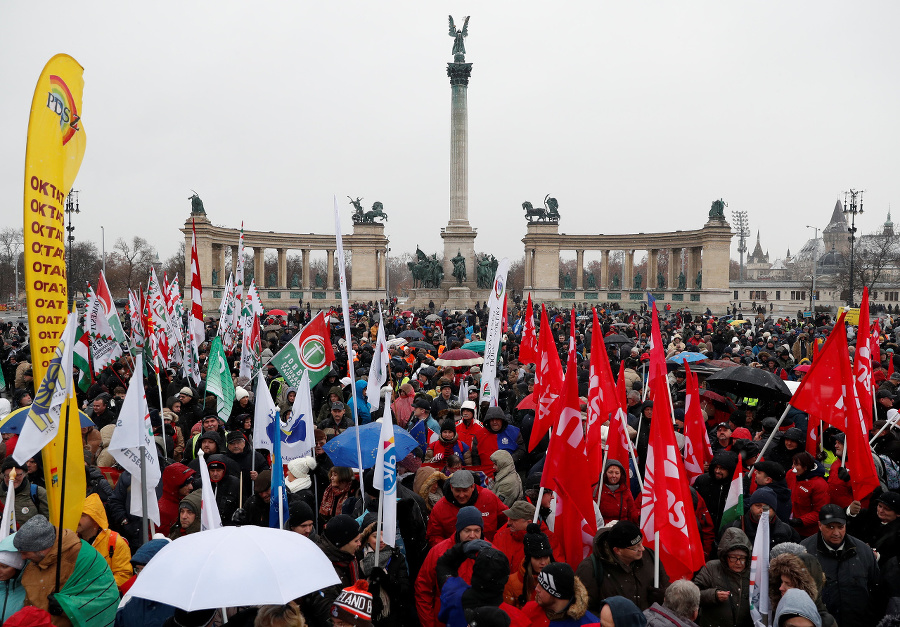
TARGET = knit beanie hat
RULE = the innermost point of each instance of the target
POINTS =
(623, 535)
(341, 529)
(300, 468)
(299, 513)
(536, 542)
(764, 495)
(467, 517)
(558, 579)
(354, 605)
(147, 551)
(487, 616)
(37, 534)
(490, 571)
(448, 425)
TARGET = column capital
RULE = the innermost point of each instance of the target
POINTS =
(459, 73)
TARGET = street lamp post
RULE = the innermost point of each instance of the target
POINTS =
(103, 249)
(815, 260)
(855, 207)
(71, 207)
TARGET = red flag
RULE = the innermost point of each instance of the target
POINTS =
(812, 435)
(617, 436)
(657, 352)
(505, 325)
(815, 350)
(862, 361)
(602, 402)
(528, 349)
(196, 318)
(548, 383)
(824, 393)
(574, 533)
(874, 345)
(890, 365)
(666, 504)
(565, 467)
(697, 449)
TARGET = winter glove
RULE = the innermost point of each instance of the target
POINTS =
(821, 456)
(796, 522)
(378, 576)
(843, 474)
(53, 605)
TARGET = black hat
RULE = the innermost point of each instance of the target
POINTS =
(558, 579)
(234, 436)
(769, 424)
(772, 469)
(490, 571)
(341, 529)
(832, 513)
(536, 542)
(793, 434)
(448, 424)
(422, 403)
(764, 495)
(624, 534)
(890, 500)
(884, 394)
(300, 513)
(487, 616)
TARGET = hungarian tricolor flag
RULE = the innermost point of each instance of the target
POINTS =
(528, 349)
(734, 501)
(548, 383)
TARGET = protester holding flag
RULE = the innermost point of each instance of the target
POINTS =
(725, 583)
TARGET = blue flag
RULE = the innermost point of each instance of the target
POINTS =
(273, 430)
(650, 300)
(422, 434)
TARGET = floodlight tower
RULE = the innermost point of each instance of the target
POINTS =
(742, 228)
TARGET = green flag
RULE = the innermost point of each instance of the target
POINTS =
(81, 360)
(310, 351)
(734, 501)
(218, 379)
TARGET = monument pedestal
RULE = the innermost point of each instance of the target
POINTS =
(460, 299)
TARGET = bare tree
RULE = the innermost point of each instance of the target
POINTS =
(876, 259)
(175, 266)
(11, 245)
(136, 256)
(84, 266)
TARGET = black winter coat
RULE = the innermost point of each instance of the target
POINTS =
(851, 576)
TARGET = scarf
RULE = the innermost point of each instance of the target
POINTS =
(332, 500)
(300, 483)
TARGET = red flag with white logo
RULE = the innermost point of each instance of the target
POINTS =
(548, 383)
(528, 349)
(697, 449)
(862, 361)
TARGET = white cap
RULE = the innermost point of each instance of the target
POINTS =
(470, 405)
(345, 381)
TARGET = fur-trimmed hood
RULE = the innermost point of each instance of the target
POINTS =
(795, 568)
(428, 480)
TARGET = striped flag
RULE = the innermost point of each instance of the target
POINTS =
(109, 306)
(385, 477)
(734, 502)
(195, 322)
(81, 360)
(759, 573)
(378, 373)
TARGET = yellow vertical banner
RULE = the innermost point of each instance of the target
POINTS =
(53, 155)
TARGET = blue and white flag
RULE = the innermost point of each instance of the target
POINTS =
(385, 477)
(278, 505)
(43, 419)
(296, 437)
(378, 372)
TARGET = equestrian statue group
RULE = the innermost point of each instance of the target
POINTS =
(361, 216)
(549, 213)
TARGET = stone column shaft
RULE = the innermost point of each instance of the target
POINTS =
(459, 142)
(528, 263)
(305, 282)
(329, 271)
(220, 265)
(628, 271)
(282, 268)
(691, 272)
(579, 269)
(234, 258)
(674, 268)
(652, 268)
(259, 268)
(603, 279)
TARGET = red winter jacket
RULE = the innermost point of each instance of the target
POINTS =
(466, 433)
(841, 492)
(618, 504)
(173, 477)
(428, 596)
(442, 521)
(510, 542)
(809, 494)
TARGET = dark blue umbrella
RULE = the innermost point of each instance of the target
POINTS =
(13, 422)
(342, 449)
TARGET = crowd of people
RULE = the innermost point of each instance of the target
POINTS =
(475, 538)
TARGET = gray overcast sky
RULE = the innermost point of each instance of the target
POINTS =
(634, 115)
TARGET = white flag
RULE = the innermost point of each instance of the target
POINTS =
(297, 437)
(42, 421)
(8, 524)
(378, 373)
(385, 477)
(209, 509)
(133, 431)
(489, 391)
(105, 348)
(759, 573)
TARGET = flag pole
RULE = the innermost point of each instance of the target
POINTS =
(603, 471)
(656, 560)
(378, 523)
(144, 523)
(161, 420)
(888, 423)
(62, 495)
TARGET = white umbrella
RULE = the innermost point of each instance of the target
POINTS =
(397, 341)
(233, 567)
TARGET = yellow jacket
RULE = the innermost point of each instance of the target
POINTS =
(109, 544)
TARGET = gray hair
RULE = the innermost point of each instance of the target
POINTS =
(683, 598)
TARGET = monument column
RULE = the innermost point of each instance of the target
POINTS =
(305, 283)
(691, 273)
(234, 258)
(579, 269)
(459, 236)
(259, 266)
(527, 269)
(628, 271)
(329, 271)
(652, 268)
(282, 268)
(603, 279)
(674, 268)
(220, 265)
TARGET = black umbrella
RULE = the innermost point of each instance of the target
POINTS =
(411, 335)
(615, 338)
(423, 345)
(747, 381)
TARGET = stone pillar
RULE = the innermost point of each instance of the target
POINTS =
(628, 271)
(459, 236)
(652, 268)
(305, 281)
(528, 265)
(379, 259)
(329, 271)
(603, 279)
(219, 265)
(674, 268)
(282, 268)
(259, 266)
(579, 269)
(234, 258)
(690, 272)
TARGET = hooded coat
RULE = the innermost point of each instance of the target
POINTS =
(797, 603)
(425, 478)
(851, 575)
(661, 616)
(193, 502)
(576, 613)
(617, 503)
(809, 494)
(442, 521)
(173, 477)
(345, 565)
(716, 575)
(507, 484)
(806, 573)
(508, 438)
(603, 575)
(715, 491)
(364, 415)
(28, 506)
(109, 544)
(325, 409)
